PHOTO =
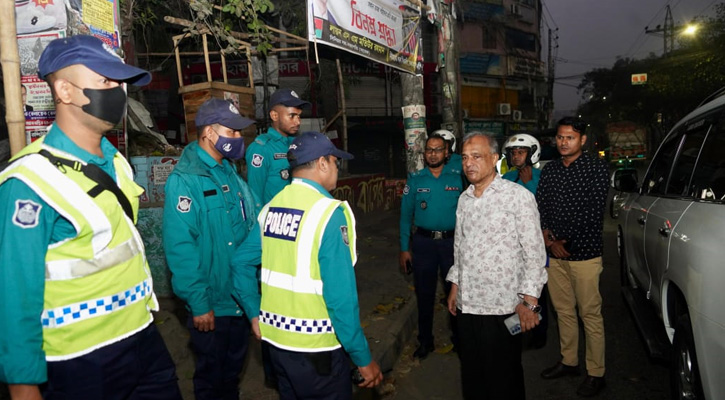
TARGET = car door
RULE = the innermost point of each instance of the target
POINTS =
(636, 212)
(674, 198)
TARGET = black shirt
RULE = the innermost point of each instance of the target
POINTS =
(571, 203)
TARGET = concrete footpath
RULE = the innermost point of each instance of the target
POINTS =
(387, 311)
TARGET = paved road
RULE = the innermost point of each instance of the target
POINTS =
(630, 374)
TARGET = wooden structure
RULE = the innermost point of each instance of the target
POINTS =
(196, 94)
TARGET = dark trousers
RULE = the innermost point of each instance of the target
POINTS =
(539, 332)
(219, 357)
(138, 367)
(490, 358)
(431, 259)
(319, 376)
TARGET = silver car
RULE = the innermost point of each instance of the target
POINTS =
(671, 241)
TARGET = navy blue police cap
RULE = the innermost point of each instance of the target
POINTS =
(288, 98)
(92, 53)
(310, 146)
(222, 112)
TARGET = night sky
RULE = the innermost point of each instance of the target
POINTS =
(592, 33)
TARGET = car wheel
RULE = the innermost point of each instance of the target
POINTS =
(614, 207)
(684, 373)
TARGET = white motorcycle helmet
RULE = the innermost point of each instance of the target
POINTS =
(448, 136)
(523, 140)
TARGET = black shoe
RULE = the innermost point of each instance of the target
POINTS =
(422, 351)
(559, 370)
(591, 386)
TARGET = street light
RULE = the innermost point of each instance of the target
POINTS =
(690, 30)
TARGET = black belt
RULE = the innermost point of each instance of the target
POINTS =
(435, 235)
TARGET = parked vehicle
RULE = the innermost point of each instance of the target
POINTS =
(627, 141)
(671, 240)
(620, 197)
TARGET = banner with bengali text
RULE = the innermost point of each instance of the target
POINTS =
(385, 31)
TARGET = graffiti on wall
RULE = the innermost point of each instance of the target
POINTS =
(370, 192)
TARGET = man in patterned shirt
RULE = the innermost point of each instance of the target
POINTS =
(498, 270)
(571, 195)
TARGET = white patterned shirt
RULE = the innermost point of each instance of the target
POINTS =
(498, 249)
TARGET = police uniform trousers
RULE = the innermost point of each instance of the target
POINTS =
(136, 368)
(321, 376)
(431, 259)
(219, 357)
(490, 358)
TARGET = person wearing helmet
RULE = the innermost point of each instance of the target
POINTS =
(522, 152)
(453, 160)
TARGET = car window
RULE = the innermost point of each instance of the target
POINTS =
(708, 182)
(656, 180)
(679, 182)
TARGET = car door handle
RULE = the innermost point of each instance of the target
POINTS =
(640, 220)
(664, 232)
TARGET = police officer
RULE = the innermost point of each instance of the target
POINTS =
(453, 160)
(209, 211)
(305, 241)
(522, 152)
(76, 291)
(267, 166)
(429, 202)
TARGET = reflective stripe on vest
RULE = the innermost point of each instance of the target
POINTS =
(293, 314)
(301, 282)
(98, 287)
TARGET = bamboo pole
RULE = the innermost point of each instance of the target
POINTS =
(178, 60)
(10, 60)
(206, 58)
(344, 111)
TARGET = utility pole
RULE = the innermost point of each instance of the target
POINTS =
(449, 71)
(550, 84)
(667, 30)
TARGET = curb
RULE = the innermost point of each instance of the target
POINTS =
(389, 346)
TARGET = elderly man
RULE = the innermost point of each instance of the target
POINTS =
(309, 311)
(76, 292)
(498, 271)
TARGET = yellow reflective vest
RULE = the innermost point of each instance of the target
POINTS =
(98, 287)
(293, 313)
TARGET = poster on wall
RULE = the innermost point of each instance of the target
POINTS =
(95, 17)
(385, 31)
(32, 16)
(37, 99)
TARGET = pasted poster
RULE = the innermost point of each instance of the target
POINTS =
(96, 17)
(37, 99)
(33, 16)
(385, 31)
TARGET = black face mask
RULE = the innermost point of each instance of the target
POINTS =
(106, 104)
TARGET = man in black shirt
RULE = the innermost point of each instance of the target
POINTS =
(572, 195)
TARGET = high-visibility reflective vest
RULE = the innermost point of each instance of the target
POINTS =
(293, 313)
(98, 287)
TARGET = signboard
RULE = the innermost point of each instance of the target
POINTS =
(385, 31)
(639, 79)
(527, 67)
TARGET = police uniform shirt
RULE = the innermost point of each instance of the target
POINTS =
(454, 164)
(337, 274)
(22, 264)
(267, 165)
(429, 202)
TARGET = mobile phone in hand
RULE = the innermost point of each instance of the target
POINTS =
(408, 267)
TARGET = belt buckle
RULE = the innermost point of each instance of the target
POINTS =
(437, 235)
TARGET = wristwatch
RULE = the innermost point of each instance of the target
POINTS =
(536, 308)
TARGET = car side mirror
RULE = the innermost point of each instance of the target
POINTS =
(624, 180)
